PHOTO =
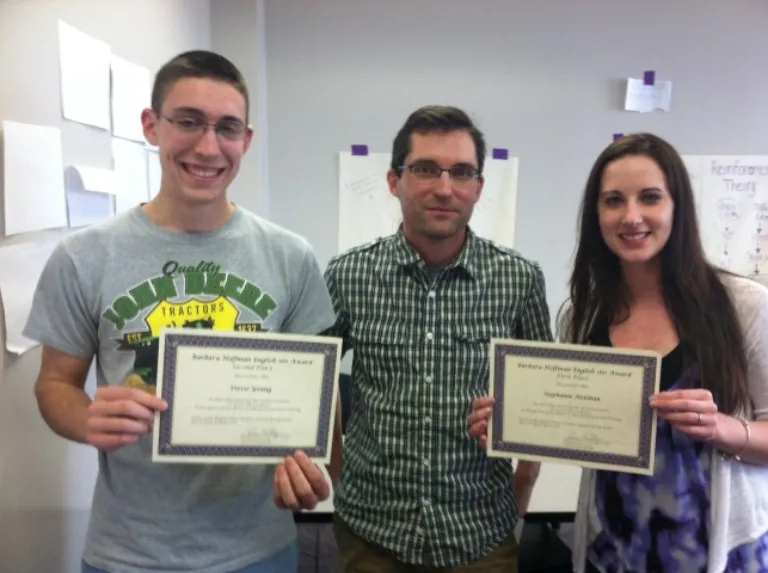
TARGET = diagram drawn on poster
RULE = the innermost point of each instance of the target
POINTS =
(367, 209)
(732, 198)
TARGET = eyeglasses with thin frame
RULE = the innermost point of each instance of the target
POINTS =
(461, 173)
(191, 126)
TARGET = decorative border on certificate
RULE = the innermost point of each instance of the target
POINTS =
(642, 463)
(174, 339)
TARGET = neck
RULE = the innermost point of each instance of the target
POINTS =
(643, 282)
(183, 217)
(437, 253)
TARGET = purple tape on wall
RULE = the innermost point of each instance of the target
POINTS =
(499, 153)
(359, 149)
(617, 136)
(649, 78)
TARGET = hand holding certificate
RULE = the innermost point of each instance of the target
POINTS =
(582, 405)
(241, 397)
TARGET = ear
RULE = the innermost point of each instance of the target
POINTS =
(481, 184)
(393, 180)
(247, 139)
(149, 124)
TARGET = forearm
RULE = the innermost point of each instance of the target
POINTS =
(731, 438)
(525, 478)
(64, 408)
(337, 448)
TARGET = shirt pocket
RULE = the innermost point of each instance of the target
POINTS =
(471, 351)
(387, 351)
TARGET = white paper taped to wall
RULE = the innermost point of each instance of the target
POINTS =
(154, 173)
(367, 209)
(20, 267)
(34, 197)
(85, 82)
(130, 164)
(732, 202)
(131, 94)
(90, 194)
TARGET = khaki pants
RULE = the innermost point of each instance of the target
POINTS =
(358, 556)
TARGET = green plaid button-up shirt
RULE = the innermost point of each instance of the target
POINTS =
(413, 481)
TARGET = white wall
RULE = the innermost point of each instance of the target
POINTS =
(543, 78)
(45, 482)
(237, 32)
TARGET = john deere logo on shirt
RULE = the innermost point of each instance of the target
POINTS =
(195, 296)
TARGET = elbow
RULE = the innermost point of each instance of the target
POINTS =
(527, 473)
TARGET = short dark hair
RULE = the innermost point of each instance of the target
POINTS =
(698, 301)
(431, 119)
(197, 64)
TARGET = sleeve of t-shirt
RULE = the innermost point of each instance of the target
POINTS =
(60, 315)
(311, 310)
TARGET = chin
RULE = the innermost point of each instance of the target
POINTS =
(202, 196)
(637, 258)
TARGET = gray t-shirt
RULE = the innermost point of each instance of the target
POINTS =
(108, 290)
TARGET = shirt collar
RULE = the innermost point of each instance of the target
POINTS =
(405, 255)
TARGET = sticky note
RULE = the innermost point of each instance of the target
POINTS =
(358, 149)
(649, 78)
(499, 153)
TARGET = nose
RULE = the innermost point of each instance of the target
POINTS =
(208, 144)
(633, 214)
(444, 185)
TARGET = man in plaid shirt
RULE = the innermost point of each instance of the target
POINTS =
(419, 309)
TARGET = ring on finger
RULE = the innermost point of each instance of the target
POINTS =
(699, 418)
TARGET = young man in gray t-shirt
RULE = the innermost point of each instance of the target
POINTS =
(187, 258)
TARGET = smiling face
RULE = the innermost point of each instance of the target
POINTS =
(198, 165)
(437, 207)
(635, 209)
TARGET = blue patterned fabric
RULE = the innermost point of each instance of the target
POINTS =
(659, 523)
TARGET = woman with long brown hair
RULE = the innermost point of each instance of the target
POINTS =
(641, 280)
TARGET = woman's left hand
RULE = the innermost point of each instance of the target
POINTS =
(692, 412)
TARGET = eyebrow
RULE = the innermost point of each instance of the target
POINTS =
(195, 111)
(643, 190)
(428, 160)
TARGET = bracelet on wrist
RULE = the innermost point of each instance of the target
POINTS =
(737, 456)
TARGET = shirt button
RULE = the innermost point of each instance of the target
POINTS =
(429, 336)
(427, 420)
(425, 501)
(428, 379)
(431, 294)
(426, 461)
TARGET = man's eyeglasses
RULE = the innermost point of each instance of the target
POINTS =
(229, 129)
(461, 173)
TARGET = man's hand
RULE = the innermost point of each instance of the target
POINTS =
(299, 483)
(477, 421)
(119, 416)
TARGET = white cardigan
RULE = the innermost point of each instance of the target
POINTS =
(739, 491)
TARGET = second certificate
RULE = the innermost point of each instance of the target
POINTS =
(581, 405)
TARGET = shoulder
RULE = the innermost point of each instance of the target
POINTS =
(750, 299)
(508, 261)
(360, 257)
(93, 244)
(276, 237)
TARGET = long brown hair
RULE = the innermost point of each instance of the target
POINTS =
(696, 298)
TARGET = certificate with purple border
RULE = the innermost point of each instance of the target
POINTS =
(245, 397)
(579, 405)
